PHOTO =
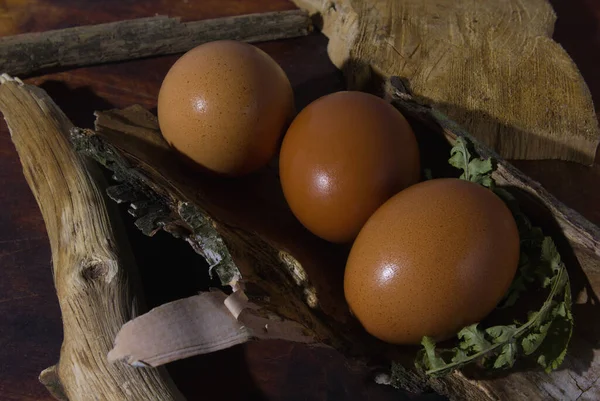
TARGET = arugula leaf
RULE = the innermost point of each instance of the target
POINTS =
(432, 361)
(547, 332)
(460, 156)
(460, 355)
(501, 334)
(474, 169)
(473, 339)
(480, 170)
(534, 339)
(507, 356)
(554, 349)
(550, 254)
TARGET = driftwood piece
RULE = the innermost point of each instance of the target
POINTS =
(28, 53)
(298, 277)
(489, 65)
(91, 264)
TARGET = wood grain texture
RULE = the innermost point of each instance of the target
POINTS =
(89, 262)
(486, 64)
(30, 53)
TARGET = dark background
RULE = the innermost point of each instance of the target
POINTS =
(30, 325)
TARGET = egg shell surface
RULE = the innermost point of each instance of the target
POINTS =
(225, 105)
(342, 157)
(436, 257)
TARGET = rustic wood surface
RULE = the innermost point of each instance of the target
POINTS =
(31, 331)
(485, 63)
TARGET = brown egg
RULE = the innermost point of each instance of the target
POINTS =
(225, 105)
(434, 258)
(343, 156)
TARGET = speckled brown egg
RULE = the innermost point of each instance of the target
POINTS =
(434, 258)
(343, 156)
(225, 105)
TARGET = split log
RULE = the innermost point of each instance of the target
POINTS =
(486, 64)
(295, 276)
(92, 265)
(28, 53)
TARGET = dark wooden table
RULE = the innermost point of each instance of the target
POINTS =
(30, 324)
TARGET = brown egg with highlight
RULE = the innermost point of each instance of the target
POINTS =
(342, 157)
(225, 105)
(436, 257)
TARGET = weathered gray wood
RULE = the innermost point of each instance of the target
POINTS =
(92, 265)
(28, 53)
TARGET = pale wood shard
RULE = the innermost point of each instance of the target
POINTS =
(28, 53)
(92, 267)
(197, 325)
(490, 65)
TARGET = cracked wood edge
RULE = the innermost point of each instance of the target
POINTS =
(92, 264)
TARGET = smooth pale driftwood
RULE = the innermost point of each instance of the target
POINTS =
(91, 266)
(489, 65)
(296, 276)
(125, 40)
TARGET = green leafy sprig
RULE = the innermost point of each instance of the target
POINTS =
(546, 333)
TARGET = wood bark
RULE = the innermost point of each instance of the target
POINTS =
(92, 267)
(29, 53)
(491, 66)
(298, 277)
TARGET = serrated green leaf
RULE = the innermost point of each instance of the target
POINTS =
(480, 171)
(568, 302)
(553, 350)
(560, 310)
(459, 355)
(486, 181)
(547, 281)
(533, 340)
(432, 361)
(549, 252)
(473, 339)
(501, 334)
(507, 356)
(460, 155)
(474, 168)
